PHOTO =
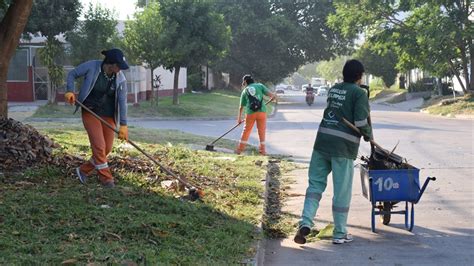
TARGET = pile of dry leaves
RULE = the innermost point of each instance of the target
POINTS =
(21, 146)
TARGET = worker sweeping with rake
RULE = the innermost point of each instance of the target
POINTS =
(104, 91)
(251, 100)
(103, 102)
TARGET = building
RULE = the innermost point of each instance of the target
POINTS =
(28, 79)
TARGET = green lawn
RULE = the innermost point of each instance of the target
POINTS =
(377, 93)
(47, 217)
(448, 106)
(72, 131)
(219, 103)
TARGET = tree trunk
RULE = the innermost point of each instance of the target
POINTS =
(207, 76)
(152, 85)
(439, 86)
(51, 93)
(175, 85)
(11, 27)
(471, 83)
(458, 76)
(464, 62)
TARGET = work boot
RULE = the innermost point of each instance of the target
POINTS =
(346, 239)
(81, 176)
(300, 237)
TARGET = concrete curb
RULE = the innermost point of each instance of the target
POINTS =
(259, 257)
(260, 254)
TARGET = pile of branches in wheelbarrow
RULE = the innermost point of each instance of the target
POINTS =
(382, 159)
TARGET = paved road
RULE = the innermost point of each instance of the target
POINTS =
(441, 147)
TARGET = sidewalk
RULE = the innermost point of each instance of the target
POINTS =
(391, 245)
(22, 110)
(413, 105)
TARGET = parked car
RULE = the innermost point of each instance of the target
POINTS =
(280, 90)
(322, 91)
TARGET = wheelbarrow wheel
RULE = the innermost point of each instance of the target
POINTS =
(387, 207)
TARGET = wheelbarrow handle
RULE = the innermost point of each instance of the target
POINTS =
(428, 179)
(162, 167)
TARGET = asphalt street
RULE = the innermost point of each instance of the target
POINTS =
(440, 147)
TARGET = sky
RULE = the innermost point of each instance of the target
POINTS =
(122, 7)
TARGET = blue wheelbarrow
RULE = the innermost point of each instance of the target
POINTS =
(385, 188)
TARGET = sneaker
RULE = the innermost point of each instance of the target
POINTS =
(346, 239)
(81, 176)
(300, 237)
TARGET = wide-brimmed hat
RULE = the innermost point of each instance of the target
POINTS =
(115, 56)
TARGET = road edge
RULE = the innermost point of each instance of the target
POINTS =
(259, 258)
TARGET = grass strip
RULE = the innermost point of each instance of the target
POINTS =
(448, 106)
(47, 217)
(218, 103)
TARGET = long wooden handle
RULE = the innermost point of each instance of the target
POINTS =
(349, 124)
(162, 167)
(238, 124)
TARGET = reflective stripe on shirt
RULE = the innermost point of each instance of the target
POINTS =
(339, 134)
(360, 123)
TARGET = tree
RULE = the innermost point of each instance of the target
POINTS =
(434, 35)
(272, 39)
(192, 34)
(51, 18)
(331, 70)
(51, 56)
(298, 80)
(308, 71)
(379, 65)
(141, 39)
(187, 33)
(11, 26)
(95, 33)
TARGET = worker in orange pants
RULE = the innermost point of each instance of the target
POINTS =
(250, 119)
(101, 139)
(104, 91)
(251, 100)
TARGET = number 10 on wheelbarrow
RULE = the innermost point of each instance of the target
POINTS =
(385, 188)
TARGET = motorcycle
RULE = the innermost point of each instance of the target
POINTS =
(309, 97)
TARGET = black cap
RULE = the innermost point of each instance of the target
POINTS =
(115, 56)
(248, 79)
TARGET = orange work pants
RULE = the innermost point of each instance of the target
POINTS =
(101, 139)
(261, 119)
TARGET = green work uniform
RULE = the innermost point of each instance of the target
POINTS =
(257, 90)
(334, 150)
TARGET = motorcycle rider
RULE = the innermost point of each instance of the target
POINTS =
(309, 94)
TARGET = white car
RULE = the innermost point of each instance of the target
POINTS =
(322, 91)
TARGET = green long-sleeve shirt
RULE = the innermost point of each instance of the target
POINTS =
(334, 137)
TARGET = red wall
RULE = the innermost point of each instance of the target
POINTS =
(21, 91)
